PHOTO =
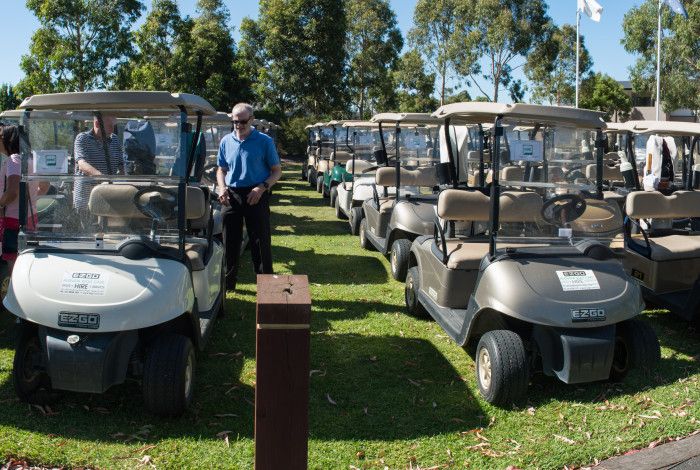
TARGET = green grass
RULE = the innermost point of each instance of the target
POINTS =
(404, 395)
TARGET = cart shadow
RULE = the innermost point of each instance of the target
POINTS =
(331, 268)
(288, 224)
(385, 388)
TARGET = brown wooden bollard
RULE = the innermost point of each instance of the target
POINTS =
(282, 372)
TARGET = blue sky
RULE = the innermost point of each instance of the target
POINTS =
(602, 39)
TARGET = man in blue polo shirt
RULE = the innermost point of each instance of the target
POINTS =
(248, 165)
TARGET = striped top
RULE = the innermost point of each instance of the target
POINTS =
(89, 148)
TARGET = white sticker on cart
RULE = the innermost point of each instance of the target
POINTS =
(84, 283)
(578, 279)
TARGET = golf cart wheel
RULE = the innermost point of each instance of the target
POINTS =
(303, 173)
(319, 183)
(636, 345)
(501, 367)
(310, 178)
(336, 204)
(29, 377)
(168, 375)
(364, 241)
(400, 250)
(355, 220)
(333, 195)
(413, 305)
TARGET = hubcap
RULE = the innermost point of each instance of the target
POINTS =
(484, 368)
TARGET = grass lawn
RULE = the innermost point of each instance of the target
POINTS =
(387, 390)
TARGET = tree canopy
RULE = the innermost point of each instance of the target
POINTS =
(601, 92)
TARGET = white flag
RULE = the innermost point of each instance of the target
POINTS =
(591, 8)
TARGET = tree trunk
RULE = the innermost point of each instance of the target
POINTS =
(442, 88)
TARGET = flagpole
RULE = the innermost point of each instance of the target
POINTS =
(658, 65)
(578, 40)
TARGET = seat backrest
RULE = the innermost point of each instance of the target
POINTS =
(520, 206)
(512, 173)
(467, 206)
(610, 173)
(341, 156)
(117, 200)
(654, 205)
(357, 166)
(424, 177)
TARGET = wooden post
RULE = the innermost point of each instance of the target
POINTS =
(282, 372)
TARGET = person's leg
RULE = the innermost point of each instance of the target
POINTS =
(258, 225)
(232, 219)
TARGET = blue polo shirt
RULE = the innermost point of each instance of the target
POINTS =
(247, 162)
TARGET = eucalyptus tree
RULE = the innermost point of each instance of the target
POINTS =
(680, 59)
(601, 92)
(79, 45)
(415, 87)
(8, 98)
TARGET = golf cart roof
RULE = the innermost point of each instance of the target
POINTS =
(673, 128)
(480, 112)
(615, 126)
(219, 116)
(120, 102)
(58, 116)
(405, 118)
(335, 123)
(360, 124)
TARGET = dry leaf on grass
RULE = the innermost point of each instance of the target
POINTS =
(564, 439)
(321, 373)
(330, 400)
(227, 415)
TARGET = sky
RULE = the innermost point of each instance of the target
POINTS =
(602, 39)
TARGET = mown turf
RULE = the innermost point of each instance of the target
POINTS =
(387, 390)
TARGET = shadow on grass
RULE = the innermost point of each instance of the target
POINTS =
(221, 402)
(331, 268)
(385, 388)
(288, 224)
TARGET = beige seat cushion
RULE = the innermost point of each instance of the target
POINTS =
(424, 177)
(672, 247)
(610, 172)
(654, 205)
(465, 255)
(322, 166)
(195, 253)
(117, 200)
(357, 166)
(474, 206)
(341, 156)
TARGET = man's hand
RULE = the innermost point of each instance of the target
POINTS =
(224, 197)
(255, 195)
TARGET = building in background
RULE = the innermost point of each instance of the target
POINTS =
(643, 107)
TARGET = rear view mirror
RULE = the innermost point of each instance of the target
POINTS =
(443, 173)
(380, 156)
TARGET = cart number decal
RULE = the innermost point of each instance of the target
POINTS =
(84, 283)
(579, 279)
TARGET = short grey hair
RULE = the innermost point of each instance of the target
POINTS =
(242, 107)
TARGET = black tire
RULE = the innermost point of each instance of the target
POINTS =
(356, 217)
(310, 178)
(636, 346)
(413, 305)
(333, 195)
(364, 241)
(501, 367)
(336, 204)
(29, 377)
(319, 183)
(325, 192)
(398, 258)
(303, 173)
(168, 375)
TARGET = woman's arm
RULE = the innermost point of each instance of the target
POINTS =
(11, 190)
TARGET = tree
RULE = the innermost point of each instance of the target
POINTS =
(552, 67)
(298, 50)
(205, 58)
(79, 45)
(251, 58)
(414, 86)
(440, 33)
(153, 66)
(680, 61)
(8, 99)
(601, 92)
(507, 30)
(373, 44)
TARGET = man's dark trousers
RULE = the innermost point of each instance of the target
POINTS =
(257, 222)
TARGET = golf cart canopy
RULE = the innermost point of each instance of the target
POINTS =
(479, 112)
(405, 119)
(671, 128)
(120, 102)
(368, 124)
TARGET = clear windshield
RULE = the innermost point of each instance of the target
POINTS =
(83, 197)
(213, 133)
(326, 141)
(417, 145)
(364, 141)
(467, 149)
(548, 189)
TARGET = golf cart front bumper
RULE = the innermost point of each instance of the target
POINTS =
(92, 364)
(576, 355)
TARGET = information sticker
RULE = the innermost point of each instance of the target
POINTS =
(50, 162)
(84, 283)
(526, 150)
(578, 279)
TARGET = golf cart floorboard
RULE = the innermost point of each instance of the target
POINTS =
(207, 320)
(452, 320)
(379, 243)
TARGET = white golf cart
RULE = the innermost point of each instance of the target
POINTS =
(132, 282)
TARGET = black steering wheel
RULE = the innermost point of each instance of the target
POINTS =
(563, 209)
(156, 202)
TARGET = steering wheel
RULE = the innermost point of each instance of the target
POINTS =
(563, 209)
(156, 202)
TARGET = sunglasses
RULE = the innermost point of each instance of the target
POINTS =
(240, 123)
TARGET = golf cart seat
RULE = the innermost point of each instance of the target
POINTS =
(341, 156)
(115, 203)
(357, 166)
(323, 166)
(474, 206)
(664, 246)
(513, 173)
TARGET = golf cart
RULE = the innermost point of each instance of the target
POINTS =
(132, 282)
(540, 290)
(326, 155)
(392, 221)
(342, 153)
(662, 233)
(318, 162)
(312, 144)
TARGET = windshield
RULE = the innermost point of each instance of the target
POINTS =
(548, 189)
(83, 197)
(417, 145)
(364, 141)
(213, 133)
